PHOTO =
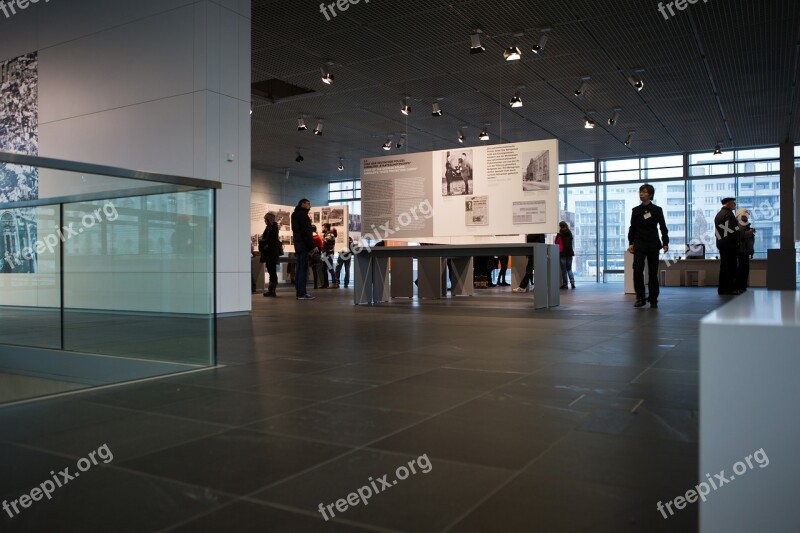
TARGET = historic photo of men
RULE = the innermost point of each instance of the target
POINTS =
(457, 178)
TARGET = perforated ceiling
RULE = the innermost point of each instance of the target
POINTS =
(720, 71)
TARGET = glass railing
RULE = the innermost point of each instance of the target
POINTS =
(108, 275)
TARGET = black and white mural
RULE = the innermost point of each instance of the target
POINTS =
(19, 133)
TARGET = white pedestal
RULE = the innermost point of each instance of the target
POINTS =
(749, 397)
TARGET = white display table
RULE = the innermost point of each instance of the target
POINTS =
(749, 400)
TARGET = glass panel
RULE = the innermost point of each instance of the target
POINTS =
(758, 153)
(30, 283)
(709, 157)
(581, 213)
(759, 196)
(704, 206)
(108, 277)
(661, 173)
(758, 166)
(664, 161)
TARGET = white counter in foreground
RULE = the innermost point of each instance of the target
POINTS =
(750, 400)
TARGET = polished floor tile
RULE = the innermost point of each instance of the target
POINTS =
(579, 418)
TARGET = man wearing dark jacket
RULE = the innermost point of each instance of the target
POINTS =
(644, 244)
(725, 228)
(303, 244)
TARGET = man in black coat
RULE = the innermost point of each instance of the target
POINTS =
(303, 244)
(644, 244)
(725, 228)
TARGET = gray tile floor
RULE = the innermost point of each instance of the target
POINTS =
(580, 418)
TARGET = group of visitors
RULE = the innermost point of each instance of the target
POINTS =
(735, 240)
(311, 250)
(736, 244)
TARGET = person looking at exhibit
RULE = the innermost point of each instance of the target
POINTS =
(303, 245)
(726, 227)
(644, 244)
(747, 239)
(270, 247)
(527, 280)
(566, 252)
(328, 245)
(344, 260)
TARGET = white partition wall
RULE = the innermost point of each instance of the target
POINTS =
(156, 85)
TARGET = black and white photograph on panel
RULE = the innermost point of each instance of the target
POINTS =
(536, 176)
(19, 132)
(283, 219)
(457, 178)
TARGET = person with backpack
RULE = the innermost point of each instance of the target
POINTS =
(566, 252)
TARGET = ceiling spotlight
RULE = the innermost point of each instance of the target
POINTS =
(251, 110)
(327, 77)
(588, 123)
(629, 139)
(512, 53)
(612, 121)
(538, 48)
(717, 150)
(484, 136)
(404, 107)
(299, 157)
(401, 141)
(515, 101)
(388, 144)
(461, 137)
(582, 88)
(475, 46)
(340, 166)
(318, 129)
(301, 125)
(436, 111)
(636, 82)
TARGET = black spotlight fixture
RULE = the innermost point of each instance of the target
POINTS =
(299, 157)
(629, 139)
(484, 136)
(301, 125)
(515, 101)
(461, 137)
(717, 150)
(436, 111)
(327, 77)
(635, 81)
(475, 46)
(404, 107)
(340, 166)
(388, 144)
(583, 86)
(401, 141)
(512, 53)
(612, 120)
(538, 48)
(318, 128)
(588, 123)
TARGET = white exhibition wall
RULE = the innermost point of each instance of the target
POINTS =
(467, 195)
(155, 85)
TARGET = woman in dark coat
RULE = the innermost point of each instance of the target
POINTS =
(564, 240)
(269, 245)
